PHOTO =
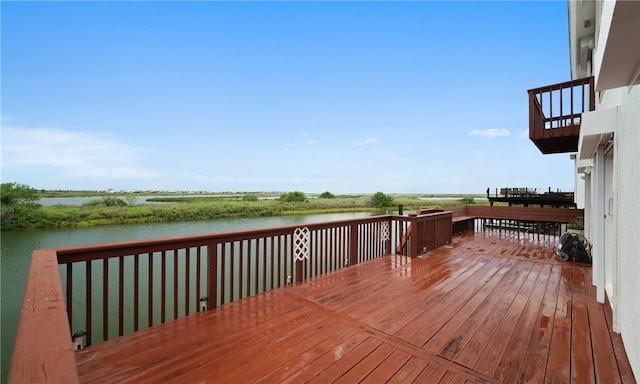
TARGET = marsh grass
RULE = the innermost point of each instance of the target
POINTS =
(191, 208)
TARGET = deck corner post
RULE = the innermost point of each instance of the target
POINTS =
(415, 236)
(353, 244)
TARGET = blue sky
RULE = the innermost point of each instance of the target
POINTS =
(347, 97)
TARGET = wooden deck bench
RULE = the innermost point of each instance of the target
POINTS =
(462, 223)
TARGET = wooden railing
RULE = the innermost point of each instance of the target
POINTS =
(555, 113)
(424, 231)
(117, 288)
(533, 220)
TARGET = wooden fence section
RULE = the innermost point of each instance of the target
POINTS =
(532, 214)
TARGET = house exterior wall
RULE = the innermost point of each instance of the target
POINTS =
(612, 210)
(627, 170)
(612, 184)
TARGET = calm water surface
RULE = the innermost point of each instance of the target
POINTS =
(16, 248)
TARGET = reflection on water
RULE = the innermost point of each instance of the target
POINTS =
(16, 248)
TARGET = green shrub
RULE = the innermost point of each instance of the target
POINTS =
(380, 200)
(467, 200)
(327, 195)
(250, 197)
(294, 197)
(109, 201)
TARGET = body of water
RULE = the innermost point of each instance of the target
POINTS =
(17, 247)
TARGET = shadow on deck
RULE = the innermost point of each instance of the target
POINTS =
(489, 308)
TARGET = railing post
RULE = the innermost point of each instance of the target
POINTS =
(353, 244)
(212, 275)
(414, 237)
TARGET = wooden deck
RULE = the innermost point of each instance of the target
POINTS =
(490, 308)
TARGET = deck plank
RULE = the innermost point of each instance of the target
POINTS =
(581, 352)
(491, 307)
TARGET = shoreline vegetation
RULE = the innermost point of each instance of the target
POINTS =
(120, 208)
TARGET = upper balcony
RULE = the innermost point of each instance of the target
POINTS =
(555, 114)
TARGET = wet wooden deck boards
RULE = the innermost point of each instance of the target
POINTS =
(490, 308)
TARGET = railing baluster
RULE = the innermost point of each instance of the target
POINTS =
(175, 283)
(223, 274)
(571, 110)
(88, 300)
(136, 291)
(280, 269)
(264, 264)
(150, 293)
(273, 262)
(187, 284)
(121, 296)
(212, 275)
(198, 271)
(187, 281)
(257, 265)
(70, 292)
(163, 287)
(105, 299)
(232, 289)
(562, 122)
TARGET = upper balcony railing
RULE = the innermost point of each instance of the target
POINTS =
(555, 114)
(104, 291)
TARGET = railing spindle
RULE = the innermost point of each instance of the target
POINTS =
(150, 293)
(222, 280)
(257, 265)
(70, 292)
(212, 276)
(264, 264)
(136, 291)
(121, 296)
(163, 287)
(187, 281)
(175, 283)
(198, 271)
(105, 299)
(232, 286)
(88, 300)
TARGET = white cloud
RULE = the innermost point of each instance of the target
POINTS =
(74, 154)
(367, 141)
(524, 134)
(490, 133)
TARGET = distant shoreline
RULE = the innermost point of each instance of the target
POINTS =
(119, 209)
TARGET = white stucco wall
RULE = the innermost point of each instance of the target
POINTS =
(627, 147)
